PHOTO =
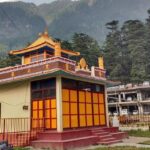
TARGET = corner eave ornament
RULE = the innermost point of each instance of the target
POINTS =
(101, 62)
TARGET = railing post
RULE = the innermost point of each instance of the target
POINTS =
(4, 130)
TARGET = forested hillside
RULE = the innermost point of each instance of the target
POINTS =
(19, 23)
(90, 16)
(119, 30)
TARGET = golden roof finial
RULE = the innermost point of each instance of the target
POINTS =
(46, 32)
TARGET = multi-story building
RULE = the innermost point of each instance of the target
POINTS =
(129, 99)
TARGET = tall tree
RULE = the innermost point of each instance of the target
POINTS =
(112, 49)
(9, 61)
(147, 39)
(87, 46)
(134, 38)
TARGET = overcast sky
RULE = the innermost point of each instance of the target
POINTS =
(34, 1)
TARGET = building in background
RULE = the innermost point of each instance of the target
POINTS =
(129, 99)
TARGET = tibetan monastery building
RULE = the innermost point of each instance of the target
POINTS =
(52, 101)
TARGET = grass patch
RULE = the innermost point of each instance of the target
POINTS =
(120, 148)
(145, 143)
(139, 133)
(21, 148)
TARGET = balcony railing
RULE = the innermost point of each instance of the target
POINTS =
(43, 67)
(36, 68)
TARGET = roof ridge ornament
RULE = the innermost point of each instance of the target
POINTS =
(45, 33)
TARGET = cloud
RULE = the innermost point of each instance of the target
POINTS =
(33, 1)
(7, 1)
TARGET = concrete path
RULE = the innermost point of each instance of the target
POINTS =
(131, 141)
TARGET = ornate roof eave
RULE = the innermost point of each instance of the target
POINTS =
(69, 52)
(30, 49)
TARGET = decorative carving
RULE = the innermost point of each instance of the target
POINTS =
(82, 64)
(47, 66)
(29, 70)
(12, 74)
(101, 62)
(67, 67)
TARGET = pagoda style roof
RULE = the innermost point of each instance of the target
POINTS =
(43, 40)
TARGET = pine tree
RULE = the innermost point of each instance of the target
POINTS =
(134, 37)
(87, 46)
(112, 50)
(147, 40)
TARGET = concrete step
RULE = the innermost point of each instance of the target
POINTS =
(97, 131)
(109, 142)
(65, 144)
(120, 135)
(105, 137)
(47, 135)
(101, 133)
(108, 139)
(108, 129)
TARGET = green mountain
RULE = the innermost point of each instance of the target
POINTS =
(21, 22)
(90, 16)
(55, 9)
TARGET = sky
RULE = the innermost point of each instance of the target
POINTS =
(34, 1)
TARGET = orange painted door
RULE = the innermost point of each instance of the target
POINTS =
(37, 114)
(50, 114)
(44, 114)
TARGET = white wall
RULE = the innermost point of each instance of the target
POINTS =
(12, 98)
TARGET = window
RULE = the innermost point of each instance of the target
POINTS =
(43, 89)
(37, 57)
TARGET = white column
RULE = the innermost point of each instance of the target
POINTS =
(106, 106)
(59, 104)
(119, 109)
(139, 96)
(93, 71)
(22, 60)
(119, 97)
(140, 109)
(124, 97)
